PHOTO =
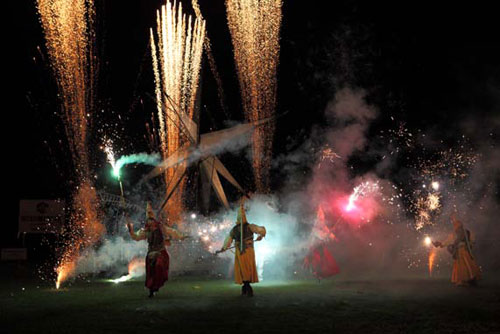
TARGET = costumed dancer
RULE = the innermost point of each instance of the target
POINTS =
(245, 269)
(319, 259)
(158, 236)
(465, 270)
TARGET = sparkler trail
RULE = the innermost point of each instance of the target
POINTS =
(255, 27)
(69, 36)
(176, 55)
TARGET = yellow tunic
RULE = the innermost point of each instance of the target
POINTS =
(245, 268)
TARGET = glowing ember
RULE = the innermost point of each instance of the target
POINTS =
(255, 27)
(435, 185)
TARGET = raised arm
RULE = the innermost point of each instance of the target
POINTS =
(140, 235)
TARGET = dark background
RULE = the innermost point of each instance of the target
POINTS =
(433, 66)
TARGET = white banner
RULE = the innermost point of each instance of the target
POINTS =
(41, 216)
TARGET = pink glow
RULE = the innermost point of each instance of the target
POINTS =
(364, 210)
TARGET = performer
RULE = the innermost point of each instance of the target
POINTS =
(158, 236)
(465, 270)
(319, 260)
(245, 269)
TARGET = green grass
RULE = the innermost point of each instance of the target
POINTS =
(214, 306)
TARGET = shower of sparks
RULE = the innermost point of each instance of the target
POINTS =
(211, 233)
(255, 27)
(327, 154)
(108, 149)
(433, 202)
(432, 258)
(427, 207)
(69, 36)
(85, 231)
(452, 165)
(176, 50)
(361, 190)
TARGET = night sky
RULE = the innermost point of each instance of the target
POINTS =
(434, 67)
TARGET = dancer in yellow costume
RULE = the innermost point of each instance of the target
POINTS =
(245, 269)
(465, 269)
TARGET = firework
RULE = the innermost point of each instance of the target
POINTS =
(361, 190)
(427, 207)
(110, 155)
(69, 36)
(327, 154)
(176, 50)
(136, 268)
(432, 258)
(212, 233)
(254, 27)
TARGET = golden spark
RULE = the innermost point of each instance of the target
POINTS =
(69, 36)
(176, 50)
(255, 27)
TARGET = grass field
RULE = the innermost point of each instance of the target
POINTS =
(189, 305)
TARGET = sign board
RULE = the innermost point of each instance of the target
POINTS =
(14, 254)
(41, 216)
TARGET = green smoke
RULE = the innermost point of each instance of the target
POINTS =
(138, 158)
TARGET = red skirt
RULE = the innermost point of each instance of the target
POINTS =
(157, 264)
(321, 262)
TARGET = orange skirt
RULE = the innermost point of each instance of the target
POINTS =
(465, 269)
(245, 268)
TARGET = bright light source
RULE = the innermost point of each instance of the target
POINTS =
(427, 241)
(435, 185)
(193, 216)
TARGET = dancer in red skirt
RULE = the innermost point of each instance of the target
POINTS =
(319, 260)
(158, 236)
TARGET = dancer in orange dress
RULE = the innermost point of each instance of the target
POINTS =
(465, 271)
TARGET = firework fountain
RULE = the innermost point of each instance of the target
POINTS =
(69, 36)
(176, 50)
(255, 27)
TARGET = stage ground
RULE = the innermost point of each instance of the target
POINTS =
(214, 306)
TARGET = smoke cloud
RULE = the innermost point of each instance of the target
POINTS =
(379, 236)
